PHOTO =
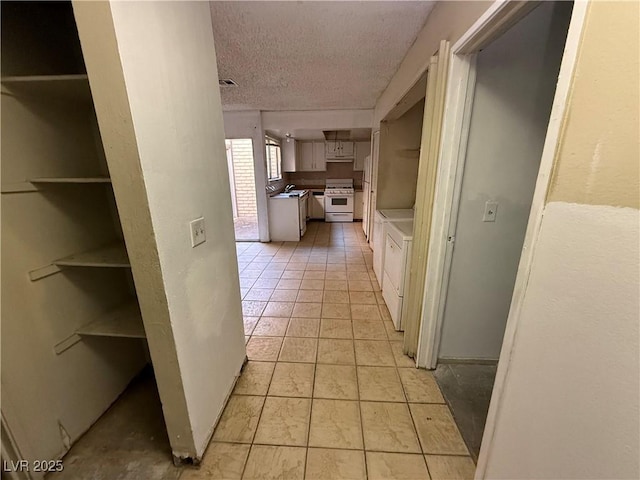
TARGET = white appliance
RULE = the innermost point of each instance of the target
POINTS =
(366, 193)
(397, 267)
(377, 242)
(338, 200)
(288, 216)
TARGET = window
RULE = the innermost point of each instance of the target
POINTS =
(274, 159)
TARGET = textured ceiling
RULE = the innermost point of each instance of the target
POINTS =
(312, 55)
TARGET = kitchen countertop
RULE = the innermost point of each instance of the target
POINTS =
(322, 187)
(291, 194)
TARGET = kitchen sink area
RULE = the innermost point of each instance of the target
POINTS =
(288, 215)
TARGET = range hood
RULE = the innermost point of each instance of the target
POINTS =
(335, 135)
(339, 146)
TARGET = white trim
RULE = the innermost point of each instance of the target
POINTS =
(480, 26)
(449, 179)
(563, 88)
(460, 86)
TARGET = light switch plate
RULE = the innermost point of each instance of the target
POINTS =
(198, 233)
(490, 211)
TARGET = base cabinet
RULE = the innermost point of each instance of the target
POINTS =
(358, 205)
(317, 205)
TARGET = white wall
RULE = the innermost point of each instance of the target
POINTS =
(570, 405)
(516, 78)
(152, 66)
(399, 159)
(248, 124)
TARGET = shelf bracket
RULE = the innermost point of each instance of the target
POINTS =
(67, 343)
(43, 272)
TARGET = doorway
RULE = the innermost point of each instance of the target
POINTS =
(243, 189)
(506, 81)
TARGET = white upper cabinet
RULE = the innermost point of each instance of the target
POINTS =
(289, 155)
(311, 157)
(362, 150)
(306, 157)
(319, 159)
(339, 149)
(346, 149)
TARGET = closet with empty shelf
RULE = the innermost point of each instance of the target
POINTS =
(71, 321)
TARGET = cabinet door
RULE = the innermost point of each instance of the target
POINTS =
(346, 149)
(319, 160)
(362, 150)
(331, 149)
(289, 154)
(318, 207)
(306, 157)
(357, 205)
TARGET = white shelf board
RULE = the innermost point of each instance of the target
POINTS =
(44, 78)
(114, 255)
(124, 322)
(71, 180)
(52, 86)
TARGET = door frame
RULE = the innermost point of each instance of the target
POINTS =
(373, 181)
(232, 177)
(256, 181)
(498, 18)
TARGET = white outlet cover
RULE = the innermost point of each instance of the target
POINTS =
(490, 211)
(198, 232)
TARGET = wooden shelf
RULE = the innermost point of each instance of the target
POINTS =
(45, 78)
(123, 322)
(80, 180)
(51, 86)
(114, 255)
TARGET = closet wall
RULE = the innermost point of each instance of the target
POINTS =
(399, 159)
(54, 384)
(151, 66)
(60, 370)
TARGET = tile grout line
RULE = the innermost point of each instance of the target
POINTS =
(313, 386)
(413, 422)
(263, 404)
(258, 422)
(355, 367)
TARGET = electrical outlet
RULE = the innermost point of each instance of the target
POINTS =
(490, 211)
(198, 233)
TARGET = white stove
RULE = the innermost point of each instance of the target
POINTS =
(338, 200)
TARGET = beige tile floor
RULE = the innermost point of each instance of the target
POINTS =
(327, 392)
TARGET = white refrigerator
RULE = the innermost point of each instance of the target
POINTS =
(366, 194)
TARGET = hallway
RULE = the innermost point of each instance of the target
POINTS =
(327, 391)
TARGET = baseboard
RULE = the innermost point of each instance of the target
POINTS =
(469, 361)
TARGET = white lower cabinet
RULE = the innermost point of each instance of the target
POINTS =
(397, 265)
(287, 218)
(317, 205)
(358, 205)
